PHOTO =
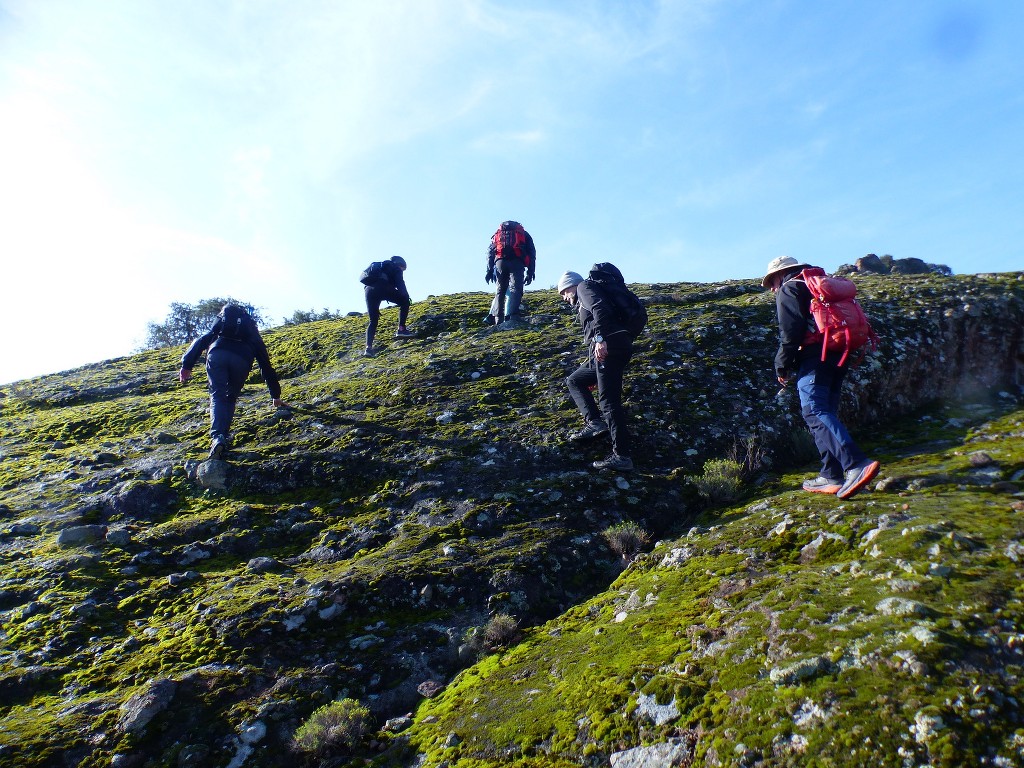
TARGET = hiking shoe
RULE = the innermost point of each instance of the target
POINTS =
(218, 449)
(402, 333)
(616, 462)
(857, 478)
(590, 431)
(822, 485)
(370, 351)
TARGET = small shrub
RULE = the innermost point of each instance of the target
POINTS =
(626, 540)
(751, 453)
(338, 726)
(500, 631)
(721, 481)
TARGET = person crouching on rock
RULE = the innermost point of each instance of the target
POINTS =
(610, 348)
(234, 342)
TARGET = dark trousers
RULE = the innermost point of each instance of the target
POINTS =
(819, 384)
(509, 270)
(375, 294)
(607, 376)
(226, 373)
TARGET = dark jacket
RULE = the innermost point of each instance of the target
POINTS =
(391, 281)
(530, 252)
(793, 306)
(250, 346)
(598, 315)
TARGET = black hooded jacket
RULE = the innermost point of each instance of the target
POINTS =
(249, 345)
(391, 284)
(598, 315)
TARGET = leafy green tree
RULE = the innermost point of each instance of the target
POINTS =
(300, 316)
(186, 322)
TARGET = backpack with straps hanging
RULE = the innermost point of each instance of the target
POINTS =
(838, 318)
(510, 240)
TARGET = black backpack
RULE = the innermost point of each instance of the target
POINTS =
(373, 274)
(632, 313)
(234, 322)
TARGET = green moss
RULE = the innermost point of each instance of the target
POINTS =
(443, 463)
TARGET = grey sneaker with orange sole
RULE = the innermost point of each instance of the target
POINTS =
(822, 484)
(857, 478)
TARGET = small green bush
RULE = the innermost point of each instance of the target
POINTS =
(721, 481)
(626, 540)
(338, 726)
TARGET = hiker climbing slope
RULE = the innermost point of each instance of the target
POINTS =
(512, 263)
(384, 281)
(611, 317)
(819, 371)
(233, 342)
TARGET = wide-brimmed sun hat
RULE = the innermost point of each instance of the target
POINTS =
(780, 264)
(568, 280)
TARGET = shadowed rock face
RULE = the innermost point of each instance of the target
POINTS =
(355, 544)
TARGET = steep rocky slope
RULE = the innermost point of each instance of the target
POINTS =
(162, 610)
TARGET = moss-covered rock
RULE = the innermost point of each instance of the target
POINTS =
(358, 539)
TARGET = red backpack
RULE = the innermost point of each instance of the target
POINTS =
(841, 323)
(510, 240)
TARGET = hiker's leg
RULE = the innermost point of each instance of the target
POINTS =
(403, 303)
(580, 383)
(373, 300)
(492, 313)
(503, 276)
(818, 384)
(609, 390)
(223, 371)
(517, 271)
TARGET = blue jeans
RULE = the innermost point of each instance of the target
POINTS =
(226, 373)
(819, 384)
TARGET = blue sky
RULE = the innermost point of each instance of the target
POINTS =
(155, 151)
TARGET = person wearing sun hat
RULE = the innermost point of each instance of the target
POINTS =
(845, 468)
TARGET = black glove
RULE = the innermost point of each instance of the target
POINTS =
(529, 279)
(489, 277)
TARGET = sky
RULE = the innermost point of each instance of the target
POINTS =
(154, 152)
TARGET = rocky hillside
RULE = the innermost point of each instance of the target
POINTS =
(157, 609)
